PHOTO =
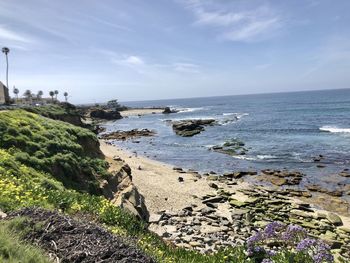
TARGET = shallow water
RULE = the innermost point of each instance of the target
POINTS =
(284, 130)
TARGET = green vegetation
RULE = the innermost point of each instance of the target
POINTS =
(13, 250)
(68, 152)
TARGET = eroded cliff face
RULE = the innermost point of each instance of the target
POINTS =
(119, 188)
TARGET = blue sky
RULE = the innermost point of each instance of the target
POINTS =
(140, 50)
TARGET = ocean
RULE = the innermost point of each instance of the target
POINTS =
(280, 130)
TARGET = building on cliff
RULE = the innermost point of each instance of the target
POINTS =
(4, 94)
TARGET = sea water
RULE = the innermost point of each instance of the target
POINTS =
(280, 131)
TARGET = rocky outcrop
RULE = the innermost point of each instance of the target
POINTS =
(231, 147)
(119, 188)
(188, 128)
(320, 189)
(124, 135)
(279, 178)
(105, 114)
(168, 110)
(228, 217)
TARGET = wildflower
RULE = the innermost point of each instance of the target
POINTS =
(272, 229)
(306, 244)
(266, 260)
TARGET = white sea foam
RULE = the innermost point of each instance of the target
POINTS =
(334, 129)
(182, 110)
(264, 157)
(244, 157)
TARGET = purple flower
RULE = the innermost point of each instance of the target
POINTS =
(306, 244)
(272, 229)
(266, 260)
(293, 233)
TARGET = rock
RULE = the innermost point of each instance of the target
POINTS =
(318, 188)
(231, 147)
(278, 181)
(345, 229)
(155, 218)
(180, 179)
(344, 174)
(167, 110)
(213, 185)
(125, 135)
(215, 199)
(2, 215)
(237, 203)
(334, 219)
(105, 114)
(177, 169)
(131, 200)
(188, 128)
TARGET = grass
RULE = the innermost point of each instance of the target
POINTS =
(13, 249)
(68, 152)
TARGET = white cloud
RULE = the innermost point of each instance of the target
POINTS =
(235, 23)
(186, 67)
(254, 30)
(134, 60)
(9, 35)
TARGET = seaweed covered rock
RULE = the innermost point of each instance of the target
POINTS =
(231, 147)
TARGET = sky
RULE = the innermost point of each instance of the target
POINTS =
(161, 49)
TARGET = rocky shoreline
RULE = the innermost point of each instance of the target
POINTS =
(230, 215)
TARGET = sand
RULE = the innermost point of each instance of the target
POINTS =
(141, 112)
(159, 183)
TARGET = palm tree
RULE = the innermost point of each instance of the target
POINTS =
(6, 50)
(52, 93)
(15, 91)
(40, 94)
(56, 93)
(66, 96)
(28, 95)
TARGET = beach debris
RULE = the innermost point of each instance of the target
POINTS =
(180, 179)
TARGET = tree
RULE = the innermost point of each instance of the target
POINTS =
(52, 93)
(56, 93)
(15, 91)
(40, 94)
(28, 95)
(66, 96)
(6, 50)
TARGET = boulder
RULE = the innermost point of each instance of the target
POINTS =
(167, 110)
(105, 114)
(334, 219)
(188, 128)
(131, 200)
